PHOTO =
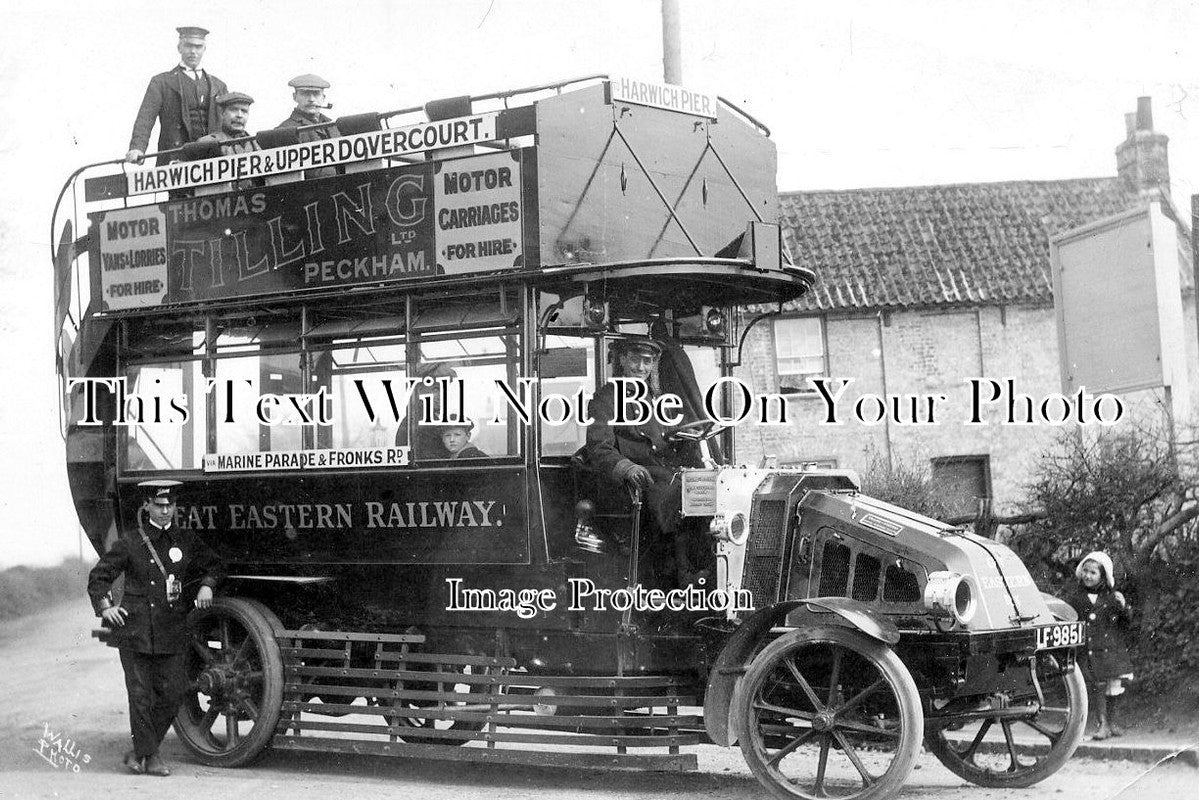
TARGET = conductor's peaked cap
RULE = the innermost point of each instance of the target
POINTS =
(637, 344)
(192, 30)
(160, 491)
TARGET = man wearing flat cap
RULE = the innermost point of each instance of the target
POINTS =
(167, 571)
(308, 92)
(181, 101)
(639, 457)
(231, 134)
(231, 129)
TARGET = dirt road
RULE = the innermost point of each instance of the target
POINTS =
(61, 693)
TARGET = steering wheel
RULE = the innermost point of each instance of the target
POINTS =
(701, 430)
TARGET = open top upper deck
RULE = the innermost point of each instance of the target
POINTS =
(571, 183)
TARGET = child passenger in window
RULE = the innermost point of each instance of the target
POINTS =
(456, 438)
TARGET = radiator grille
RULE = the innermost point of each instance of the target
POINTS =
(901, 586)
(764, 551)
(834, 570)
(865, 577)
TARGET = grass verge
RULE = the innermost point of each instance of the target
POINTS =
(26, 590)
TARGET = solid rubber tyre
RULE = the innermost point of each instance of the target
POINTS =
(1025, 766)
(870, 707)
(235, 672)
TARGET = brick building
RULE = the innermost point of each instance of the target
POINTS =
(921, 289)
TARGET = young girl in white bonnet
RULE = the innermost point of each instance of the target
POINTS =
(1106, 663)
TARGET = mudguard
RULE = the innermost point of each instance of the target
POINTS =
(748, 638)
(1060, 609)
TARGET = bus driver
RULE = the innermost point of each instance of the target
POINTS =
(639, 457)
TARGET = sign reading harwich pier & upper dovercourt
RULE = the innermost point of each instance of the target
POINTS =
(445, 217)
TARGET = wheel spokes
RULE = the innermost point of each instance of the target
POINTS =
(1014, 766)
(250, 708)
(209, 717)
(968, 753)
(862, 695)
(867, 778)
(861, 727)
(203, 652)
(823, 696)
(226, 643)
(206, 723)
(1052, 735)
(784, 710)
(834, 676)
(232, 735)
(821, 768)
(803, 684)
(241, 648)
(791, 747)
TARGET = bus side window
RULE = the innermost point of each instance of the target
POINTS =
(164, 440)
(566, 367)
(164, 369)
(257, 367)
(466, 371)
(366, 379)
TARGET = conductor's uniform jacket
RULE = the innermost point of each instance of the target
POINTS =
(154, 625)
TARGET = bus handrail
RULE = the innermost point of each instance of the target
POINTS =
(502, 94)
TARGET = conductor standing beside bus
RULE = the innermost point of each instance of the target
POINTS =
(162, 565)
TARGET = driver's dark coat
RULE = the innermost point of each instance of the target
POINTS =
(645, 444)
(153, 625)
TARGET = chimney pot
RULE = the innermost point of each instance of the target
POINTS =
(1141, 159)
(1144, 113)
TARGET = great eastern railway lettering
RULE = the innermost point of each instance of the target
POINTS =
(302, 516)
(437, 514)
(301, 236)
(449, 514)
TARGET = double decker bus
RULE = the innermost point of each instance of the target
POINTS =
(293, 332)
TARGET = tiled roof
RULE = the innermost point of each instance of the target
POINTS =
(960, 244)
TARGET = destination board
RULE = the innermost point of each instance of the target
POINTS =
(455, 216)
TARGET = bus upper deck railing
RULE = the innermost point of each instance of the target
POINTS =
(274, 137)
(598, 174)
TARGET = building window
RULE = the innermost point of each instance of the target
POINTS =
(798, 352)
(965, 482)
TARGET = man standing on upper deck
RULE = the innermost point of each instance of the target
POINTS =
(181, 101)
(308, 92)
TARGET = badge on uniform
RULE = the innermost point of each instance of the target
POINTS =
(174, 589)
(175, 554)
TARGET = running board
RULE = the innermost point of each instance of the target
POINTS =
(395, 700)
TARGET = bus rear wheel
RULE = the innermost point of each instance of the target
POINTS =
(235, 683)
